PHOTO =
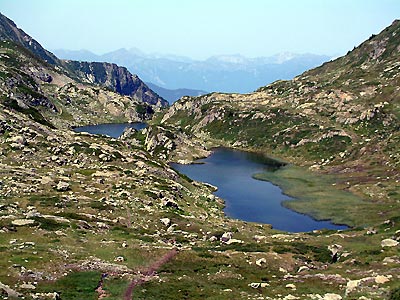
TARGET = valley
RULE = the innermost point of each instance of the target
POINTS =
(84, 216)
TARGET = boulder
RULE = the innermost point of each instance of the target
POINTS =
(234, 241)
(381, 279)
(303, 268)
(9, 291)
(62, 186)
(18, 139)
(331, 296)
(389, 243)
(226, 237)
(261, 261)
(22, 222)
(291, 286)
(352, 285)
(165, 221)
(27, 286)
(119, 259)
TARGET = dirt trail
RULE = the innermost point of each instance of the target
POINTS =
(150, 271)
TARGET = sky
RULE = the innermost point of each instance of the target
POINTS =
(203, 28)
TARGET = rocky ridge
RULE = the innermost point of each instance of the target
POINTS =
(111, 76)
(341, 118)
(81, 216)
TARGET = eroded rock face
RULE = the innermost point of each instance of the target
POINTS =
(117, 78)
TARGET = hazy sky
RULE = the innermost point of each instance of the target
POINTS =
(201, 28)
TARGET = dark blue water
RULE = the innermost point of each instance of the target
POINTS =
(246, 198)
(111, 130)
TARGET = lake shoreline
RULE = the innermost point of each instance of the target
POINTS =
(260, 161)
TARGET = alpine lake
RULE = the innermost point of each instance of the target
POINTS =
(232, 171)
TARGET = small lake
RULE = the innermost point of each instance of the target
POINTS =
(112, 130)
(246, 198)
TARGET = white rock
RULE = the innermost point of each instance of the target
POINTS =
(291, 286)
(27, 286)
(261, 261)
(282, 270)
(331, 296)
(119, 259)
(165, 221)
(62, 186)
(290, 297)
(213, 238)
(234, 241)
(389, 243)
(22, 222)
(19, 139)
(381, 279)
(335, 248)
(226, 237)
(172, 228)
(352, 285)
(303, 268)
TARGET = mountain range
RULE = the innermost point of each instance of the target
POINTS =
(114, 77)
(223, 73)
(86, 216)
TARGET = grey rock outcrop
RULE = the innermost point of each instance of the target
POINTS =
(117, 78)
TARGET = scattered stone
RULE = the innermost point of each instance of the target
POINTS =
(51, 296)
(261, 261)
(352, 285)
(226, 237)
(331, 296)
(290, 297)
(62, 186)
(46, 180)
(124, 245)
(18, 139)
(391, 260)
(172, 228)
(166, 221)
(213, 238)
(389, 243)
(303, 268)
(33, 214)
(291, 286)
(282, 270)
(119, 259)
(9, 291)
(335, 251)
(234, 241)
(381, 279)
(27, 286)
(22, 222)
(256, 285)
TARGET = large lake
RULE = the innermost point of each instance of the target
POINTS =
(246, 198)
(111, 130)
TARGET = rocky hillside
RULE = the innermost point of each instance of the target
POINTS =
(341, 118)
(10, 32)
(116, 78)
(49, 96)
(111, 76)
(91, 217)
